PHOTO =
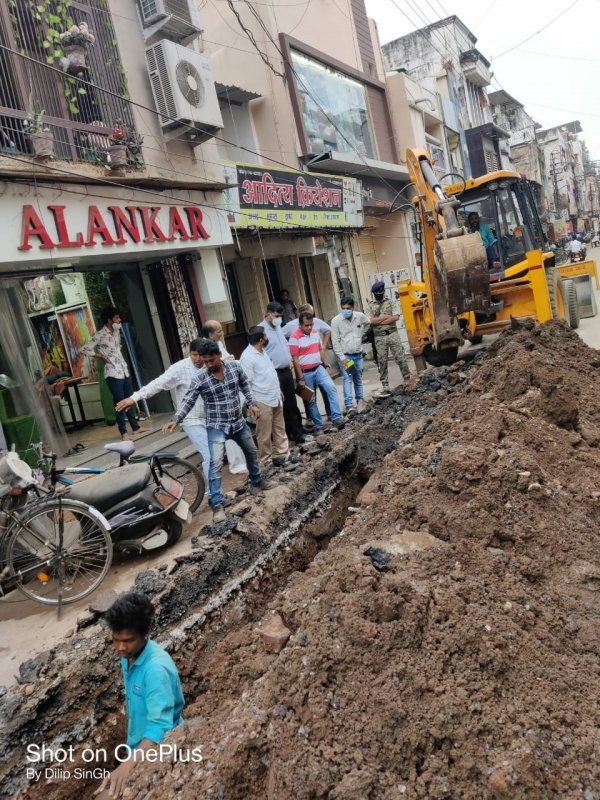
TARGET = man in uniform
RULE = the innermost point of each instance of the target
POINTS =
(386, 334)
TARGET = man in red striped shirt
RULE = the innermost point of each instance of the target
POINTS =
(308, 357)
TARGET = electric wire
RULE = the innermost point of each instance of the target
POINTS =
(533, 35)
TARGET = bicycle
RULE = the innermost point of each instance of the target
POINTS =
(54, 550)
(169, 464)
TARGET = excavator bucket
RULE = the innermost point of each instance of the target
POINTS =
(461, 263)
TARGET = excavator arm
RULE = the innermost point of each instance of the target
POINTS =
(455, 272)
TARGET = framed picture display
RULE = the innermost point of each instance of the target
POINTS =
(77, 327)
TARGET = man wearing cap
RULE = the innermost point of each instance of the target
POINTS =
(386, 334)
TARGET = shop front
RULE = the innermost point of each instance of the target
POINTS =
(291, 232)
(69, 251)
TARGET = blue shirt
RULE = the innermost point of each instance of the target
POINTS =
(278, 348)
(487, 235)
(153, 695)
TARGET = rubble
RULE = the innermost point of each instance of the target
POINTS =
(466, 667)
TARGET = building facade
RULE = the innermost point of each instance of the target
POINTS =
(127, 211)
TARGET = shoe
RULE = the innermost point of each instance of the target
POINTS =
(339, 424)
(362, 407)
(279, 462)
(219, 515)
(263, 486)
(348, 409)
(305, 439)
(385, 392)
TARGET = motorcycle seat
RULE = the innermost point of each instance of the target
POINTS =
(113, 486)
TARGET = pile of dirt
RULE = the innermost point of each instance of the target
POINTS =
(446, 644)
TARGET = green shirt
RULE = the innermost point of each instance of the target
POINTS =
(383, 309)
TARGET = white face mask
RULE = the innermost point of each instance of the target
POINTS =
(116, 326)
(277, 322)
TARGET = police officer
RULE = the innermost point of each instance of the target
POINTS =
(386, 334)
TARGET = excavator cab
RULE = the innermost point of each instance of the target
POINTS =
(475, 281)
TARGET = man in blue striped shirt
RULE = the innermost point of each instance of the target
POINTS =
(219, 384)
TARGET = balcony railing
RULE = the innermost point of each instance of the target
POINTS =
(80, 109)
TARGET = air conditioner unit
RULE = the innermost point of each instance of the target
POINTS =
(184, 92)
(174, 19)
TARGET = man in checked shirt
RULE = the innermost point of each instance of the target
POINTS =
(219, 384)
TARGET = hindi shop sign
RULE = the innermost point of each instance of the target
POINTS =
(42, 225)
(280, 198)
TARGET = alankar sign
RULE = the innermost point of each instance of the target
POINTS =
(115, 226)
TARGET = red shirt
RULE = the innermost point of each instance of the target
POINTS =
(306, 348)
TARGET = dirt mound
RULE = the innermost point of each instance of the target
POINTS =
(446, 644)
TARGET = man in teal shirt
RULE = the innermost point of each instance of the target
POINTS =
(153, 692)
(488, 238)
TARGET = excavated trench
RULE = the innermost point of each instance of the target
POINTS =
(72, 695)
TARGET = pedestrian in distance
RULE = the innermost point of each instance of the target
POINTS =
(213, 330)
(106, 345)
(290, 311)
(153, 695)
(347, 331)
(386, 335)
(278, 350)
(264, 384)
(179, 377)
(309, 359)
(220, 385)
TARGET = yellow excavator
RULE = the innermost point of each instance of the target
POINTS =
(468, 290)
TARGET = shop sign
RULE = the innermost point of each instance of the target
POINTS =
(114, 227)
(280, 198)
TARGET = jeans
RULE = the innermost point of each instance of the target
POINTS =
(319, 378)
(216, 445)
(199, 438)
(120, 388)
(354, 377)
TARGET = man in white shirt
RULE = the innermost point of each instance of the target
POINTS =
(575, 246)
(213, 330)
(179, 377)
(347, 330)
(264, 385)
(106, 345)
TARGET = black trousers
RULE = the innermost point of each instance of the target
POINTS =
(291, 413)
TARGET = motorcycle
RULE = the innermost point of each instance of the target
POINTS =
(144, 509)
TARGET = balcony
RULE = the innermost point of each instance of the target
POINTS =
(476, 68)
(81, 106)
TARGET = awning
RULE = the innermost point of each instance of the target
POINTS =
(234, 95)
(351, 165)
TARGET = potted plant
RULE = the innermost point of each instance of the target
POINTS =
(118, 147)
(40, 135)
(74, 43)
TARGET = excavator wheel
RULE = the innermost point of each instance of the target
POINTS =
(555, 291)
(440, 358)
(570, 301)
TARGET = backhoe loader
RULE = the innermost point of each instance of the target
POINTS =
(464, 292)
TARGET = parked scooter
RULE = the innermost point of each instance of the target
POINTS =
(144, 509)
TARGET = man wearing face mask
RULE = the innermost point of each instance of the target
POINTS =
(347, 330)
(106, 344)
(264, 385)
(278, 350)
(386, 335)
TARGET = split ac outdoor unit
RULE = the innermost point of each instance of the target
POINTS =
(173, 19)
(184, 92)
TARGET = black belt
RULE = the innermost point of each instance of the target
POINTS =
(312, 369)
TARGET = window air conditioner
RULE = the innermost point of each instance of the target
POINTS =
(184, 92)
(173, 19)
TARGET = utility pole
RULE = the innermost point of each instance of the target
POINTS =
(555, 170)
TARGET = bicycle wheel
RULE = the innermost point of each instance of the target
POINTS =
(188, 475)
(58, 551)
